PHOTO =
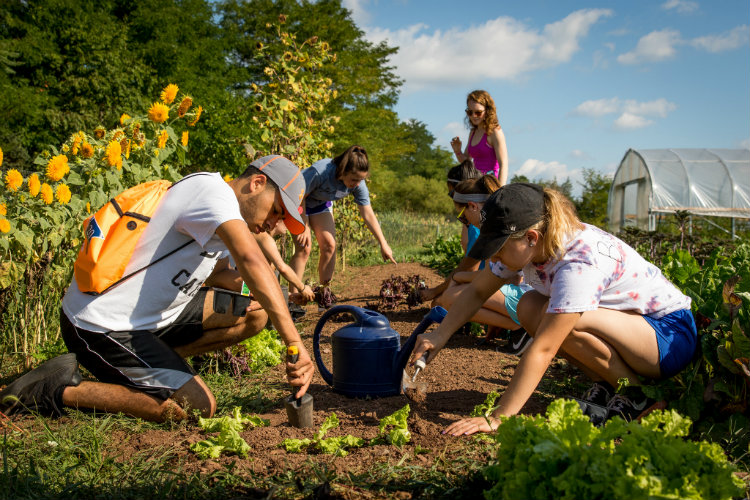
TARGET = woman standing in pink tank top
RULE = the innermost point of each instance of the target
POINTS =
(486, 145)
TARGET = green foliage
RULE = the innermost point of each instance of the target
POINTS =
(564, 456)
(331, 446)
(351, 230)
(485, 409)
(444, 254)
(592, 205)
(720, 294)
(393, 429)
(228, 439)
(265, 349)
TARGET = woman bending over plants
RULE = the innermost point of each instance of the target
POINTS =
(326, 181)
(595, 301)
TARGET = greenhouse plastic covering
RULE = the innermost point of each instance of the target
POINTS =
(708, 182)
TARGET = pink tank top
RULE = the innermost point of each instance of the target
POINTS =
(484, 156)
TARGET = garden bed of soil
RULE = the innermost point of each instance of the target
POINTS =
(457, 380)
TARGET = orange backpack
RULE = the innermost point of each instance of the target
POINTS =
(110, 236)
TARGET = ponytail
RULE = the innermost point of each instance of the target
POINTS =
(353, 159)
(486, 184)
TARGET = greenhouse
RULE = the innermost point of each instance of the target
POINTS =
(650, 183)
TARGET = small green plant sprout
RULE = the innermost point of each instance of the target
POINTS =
(393, 429)
(330, 446)
(485, 409)
(228, 439)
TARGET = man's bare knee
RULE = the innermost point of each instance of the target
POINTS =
(195, 395)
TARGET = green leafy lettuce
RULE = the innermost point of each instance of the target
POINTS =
(485, 409)
(264, 349)
(228, 439)
(331, 446)
(393, 429)
(564, 456)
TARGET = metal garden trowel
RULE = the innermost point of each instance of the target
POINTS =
(416, 391)
(299, 411)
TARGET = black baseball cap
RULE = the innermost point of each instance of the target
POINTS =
(512, 208)
(286, 175)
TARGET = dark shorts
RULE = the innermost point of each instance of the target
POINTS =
(676, 336)
(141, 359)
(319, 209)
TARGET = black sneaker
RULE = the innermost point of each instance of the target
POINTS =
(596, 414)
(599, 393)
(296, 311)
(519, 341)
(40, 390)
(628, 407)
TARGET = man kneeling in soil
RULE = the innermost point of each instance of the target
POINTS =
(134, 337)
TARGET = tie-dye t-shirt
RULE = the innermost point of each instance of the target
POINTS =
(600, 270)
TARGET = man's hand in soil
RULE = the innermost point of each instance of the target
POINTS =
(300, 373)
(469, 426)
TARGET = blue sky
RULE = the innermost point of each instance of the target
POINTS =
(576, 83)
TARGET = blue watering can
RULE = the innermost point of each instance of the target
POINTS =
(368, 360)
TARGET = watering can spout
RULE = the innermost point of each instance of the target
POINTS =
(435, 315)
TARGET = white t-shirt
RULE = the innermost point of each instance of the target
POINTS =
(192, 209)
(600, 270)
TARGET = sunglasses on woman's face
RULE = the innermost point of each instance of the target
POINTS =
(462, 218)
(471, 112)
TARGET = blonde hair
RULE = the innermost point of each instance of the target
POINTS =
(482, 97)
(559, 224)
(487, 184)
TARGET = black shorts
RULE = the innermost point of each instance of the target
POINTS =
(141, 359)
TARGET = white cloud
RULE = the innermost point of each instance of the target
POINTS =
(597, 108)
(726, 41)
(547, 170)
(629, 121)
(656, 46)
(745, 144)
(577, 154)
(501, 48)
(633, 114)
(451, 130)
(681, 6)
(360, 15)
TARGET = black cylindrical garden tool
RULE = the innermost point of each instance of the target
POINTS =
(299, 411)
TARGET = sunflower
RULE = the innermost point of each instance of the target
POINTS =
(287, 56)
(163, 136)
(124, 118)
(227, 178)
(88, 207)
(187, 101)
(34, 185)
(158, 112)
(13, 180)
(113, 154)
(1, 157)
(46, 192)
(57, 167)
(63, 194)
(99, 132)
(87, 150)
(4, 226)
(3, 209)
(169, 93)
(185, 138)
(198, 112)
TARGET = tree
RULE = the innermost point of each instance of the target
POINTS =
(592, 206)
(565, 188)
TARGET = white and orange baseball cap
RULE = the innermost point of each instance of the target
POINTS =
(288, 177)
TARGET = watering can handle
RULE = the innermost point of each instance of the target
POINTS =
(357, 312)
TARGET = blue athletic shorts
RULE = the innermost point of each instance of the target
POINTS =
(676, 336)
(513, 294)
(319, 209)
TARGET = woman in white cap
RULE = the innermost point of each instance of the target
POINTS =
(595, 301)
